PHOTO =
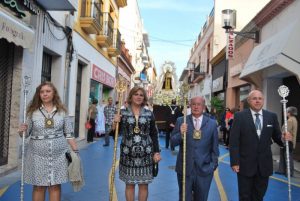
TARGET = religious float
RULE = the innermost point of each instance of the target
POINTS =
(166, 91)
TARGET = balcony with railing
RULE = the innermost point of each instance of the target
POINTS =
(121, 3)
(105, 38)
(91, 16)
(199, 73)
(115, 49)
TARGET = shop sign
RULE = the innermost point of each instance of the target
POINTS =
(18, 7)
(15, 32)
(103, 77)
(230, 46)
(122, 72)
(218, 84)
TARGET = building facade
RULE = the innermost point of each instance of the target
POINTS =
(97, 45)
(275, 61)
(34, 45)
(207, 66)
(137, 42)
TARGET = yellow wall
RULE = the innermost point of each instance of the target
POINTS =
(115, 15)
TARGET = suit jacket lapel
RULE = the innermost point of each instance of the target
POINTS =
(265, 117)
(189, 121)
(251, 121)
(204, 121)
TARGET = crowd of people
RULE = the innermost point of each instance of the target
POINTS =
(247, 134)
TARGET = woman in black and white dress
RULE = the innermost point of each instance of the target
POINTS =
(139, 146)
(50, 132)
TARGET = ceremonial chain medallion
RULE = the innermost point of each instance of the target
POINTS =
(49, 122)
(136, 129)
(197, 134)
(173, 111)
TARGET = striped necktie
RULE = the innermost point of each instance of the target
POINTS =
(257, 122)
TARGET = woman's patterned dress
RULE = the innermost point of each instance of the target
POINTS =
(137, 149)
(45, 160)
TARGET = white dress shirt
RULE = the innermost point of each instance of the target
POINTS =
(199, 121)
(260, 118)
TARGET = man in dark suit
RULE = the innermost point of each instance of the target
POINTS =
(250, 147)
(201, 151)
(174, 112)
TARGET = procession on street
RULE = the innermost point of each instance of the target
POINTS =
(136, 100)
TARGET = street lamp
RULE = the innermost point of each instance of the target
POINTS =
(229, 24)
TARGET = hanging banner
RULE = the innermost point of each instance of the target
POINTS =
(230, 46)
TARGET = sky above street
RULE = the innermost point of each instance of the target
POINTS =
(173, 27)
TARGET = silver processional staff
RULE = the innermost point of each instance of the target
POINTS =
(26, 84)
(284, 92)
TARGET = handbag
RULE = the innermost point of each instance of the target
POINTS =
(155, 169)
(88, 125)
(69, 157)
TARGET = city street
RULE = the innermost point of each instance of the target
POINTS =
(97, 161)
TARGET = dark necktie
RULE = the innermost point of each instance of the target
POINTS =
(257, 122)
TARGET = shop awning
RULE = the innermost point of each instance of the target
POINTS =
(15, 31)
(57, 5)
(276, 56)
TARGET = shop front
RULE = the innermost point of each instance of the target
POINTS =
(219, 80)
(125, 76)
(15, 37)
(276, 61)
(102, 84)
(238, 90)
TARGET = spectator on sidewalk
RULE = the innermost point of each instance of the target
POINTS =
(100, 120)
(109, 113)
(92, 114)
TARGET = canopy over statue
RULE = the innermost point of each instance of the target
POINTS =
(167, 85)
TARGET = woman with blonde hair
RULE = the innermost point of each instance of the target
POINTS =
(139, 149)
(50, 131)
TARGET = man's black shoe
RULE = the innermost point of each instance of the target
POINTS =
(105, 145)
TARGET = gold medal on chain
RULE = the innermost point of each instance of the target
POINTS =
(136, 129)
(49, 123)
(197, 134)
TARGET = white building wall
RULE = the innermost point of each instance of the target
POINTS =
(88, 55)
(131, 28)
(88, 52)
(272, 101)
(272, 81)
(282, 20)
(245, 12)
(53, 42)
(201, 50)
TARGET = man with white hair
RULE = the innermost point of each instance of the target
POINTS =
(201, 151)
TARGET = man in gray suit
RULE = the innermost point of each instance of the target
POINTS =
(201, 151)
